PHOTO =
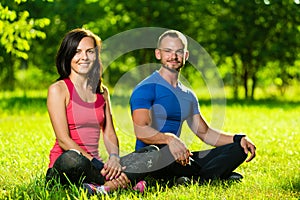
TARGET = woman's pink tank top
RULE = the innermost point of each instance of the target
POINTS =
(85, 121)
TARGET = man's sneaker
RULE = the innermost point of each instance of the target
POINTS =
(182, 181)
(235, 176)
(95, 189)
(140, 186)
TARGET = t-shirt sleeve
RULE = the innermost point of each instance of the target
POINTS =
(196, 107)
(142, 97)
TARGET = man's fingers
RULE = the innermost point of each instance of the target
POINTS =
(250, 158)
(184, 158)
(246, 149)
(247, 145)
(253, 154)
(177, 147)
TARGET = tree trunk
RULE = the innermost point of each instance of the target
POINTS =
(254, 82)
(245, 79)
(9, 80)
(235, 80)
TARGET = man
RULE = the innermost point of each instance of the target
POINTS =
(159, 106)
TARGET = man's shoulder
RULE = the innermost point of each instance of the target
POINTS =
(151, 78)
(149, 81)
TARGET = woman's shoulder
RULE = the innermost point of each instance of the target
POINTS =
(58, 88)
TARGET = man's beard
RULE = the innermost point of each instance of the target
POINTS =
(172, 70)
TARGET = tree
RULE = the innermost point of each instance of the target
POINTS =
(17, 31)
(255, 33)
(245, 38)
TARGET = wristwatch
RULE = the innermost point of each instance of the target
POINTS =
(237, 138)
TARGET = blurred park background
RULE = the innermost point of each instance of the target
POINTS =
(254, 43)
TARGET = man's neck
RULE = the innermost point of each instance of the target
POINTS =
(170, 75)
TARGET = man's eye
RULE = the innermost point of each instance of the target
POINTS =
(180, 51)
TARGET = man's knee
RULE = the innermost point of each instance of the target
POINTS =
(238, 151)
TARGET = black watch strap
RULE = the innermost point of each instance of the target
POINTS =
(237, 138)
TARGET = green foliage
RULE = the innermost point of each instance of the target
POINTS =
(255, 34)
(27, 137)
(17, 30)
(244, 38)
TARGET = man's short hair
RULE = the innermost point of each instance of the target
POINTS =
(173, 34)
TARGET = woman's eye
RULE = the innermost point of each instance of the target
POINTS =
(91, 51)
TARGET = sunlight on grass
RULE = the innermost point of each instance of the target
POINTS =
(27, 137)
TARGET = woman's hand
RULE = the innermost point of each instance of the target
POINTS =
(120, 182)
(112, 168)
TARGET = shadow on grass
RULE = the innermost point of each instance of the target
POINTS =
(38, 104)
(269, 103)
(293, 185)
(15, 105)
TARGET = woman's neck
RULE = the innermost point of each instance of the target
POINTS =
(83, 89)
(79, 81)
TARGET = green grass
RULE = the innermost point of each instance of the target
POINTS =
(27, 136)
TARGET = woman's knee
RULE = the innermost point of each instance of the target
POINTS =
(71, 166)
(70, 159)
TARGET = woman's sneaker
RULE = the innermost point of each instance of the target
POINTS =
(140, 186)
(95, 189)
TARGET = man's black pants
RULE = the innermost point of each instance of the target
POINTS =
(216, 163)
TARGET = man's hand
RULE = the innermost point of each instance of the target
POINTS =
(248, 145)
(179, 150)
(185, 160)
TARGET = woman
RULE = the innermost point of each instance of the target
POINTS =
(79, 108)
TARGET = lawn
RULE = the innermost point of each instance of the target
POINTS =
(273, 125)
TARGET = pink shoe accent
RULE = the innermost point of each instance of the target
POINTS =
(140, 186)
(96, 189)
(106, 188)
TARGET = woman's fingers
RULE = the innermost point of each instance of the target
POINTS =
(121, 181)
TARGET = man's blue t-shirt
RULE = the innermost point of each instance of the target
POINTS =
(169, 106)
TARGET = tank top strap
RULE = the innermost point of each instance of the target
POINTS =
(99, 98)
(70, 86)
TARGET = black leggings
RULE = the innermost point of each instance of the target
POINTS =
(72, 167)
(216, 163)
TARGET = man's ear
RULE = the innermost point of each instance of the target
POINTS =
(157, 54)
(186, 55)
